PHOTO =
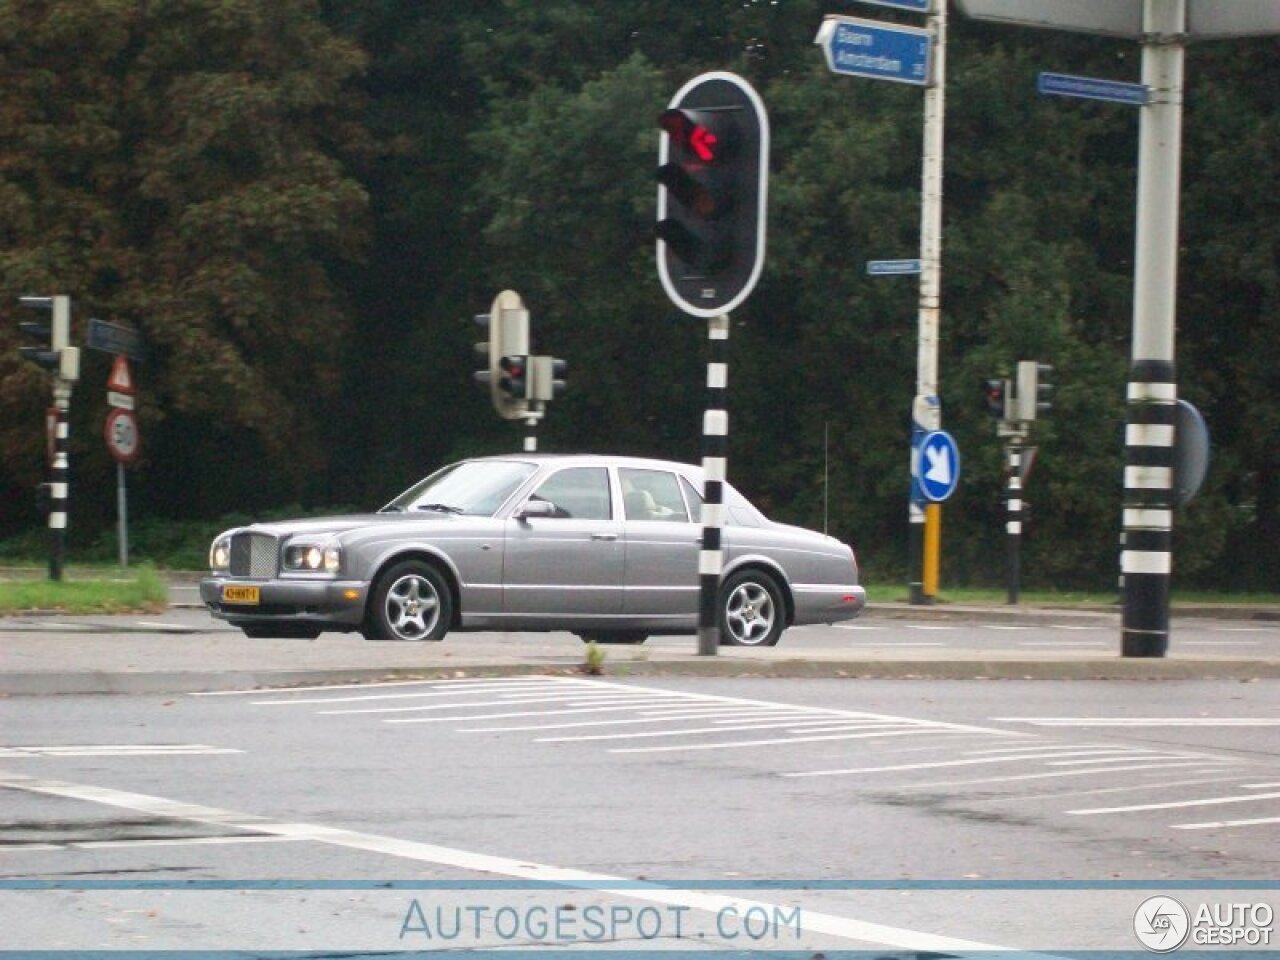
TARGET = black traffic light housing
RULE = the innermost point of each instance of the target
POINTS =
(713, 183)
(996, 392)
(513, 378)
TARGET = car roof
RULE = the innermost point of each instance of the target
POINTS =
(616, 460)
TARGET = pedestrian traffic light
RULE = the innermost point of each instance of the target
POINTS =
(995, 391)
(513, 377)
(546, 378)
(507, 323)
(713, 177)
(1034, 389)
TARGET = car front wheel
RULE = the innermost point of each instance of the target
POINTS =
(411, 601)
(751, 610)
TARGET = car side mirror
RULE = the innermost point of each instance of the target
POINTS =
(536, 508)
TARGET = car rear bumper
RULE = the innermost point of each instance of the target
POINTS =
(294, 601)
(826, 603)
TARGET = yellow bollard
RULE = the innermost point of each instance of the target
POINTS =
(932, 549)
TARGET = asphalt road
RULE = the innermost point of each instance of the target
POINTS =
(890, 815)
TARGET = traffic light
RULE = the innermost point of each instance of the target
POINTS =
(713, 176)
(513, 377)
(996, 391)
(53, 335)
(546, 375)
(1034, 390)
(507, 323)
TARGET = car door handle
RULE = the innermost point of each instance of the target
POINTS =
(604, 536)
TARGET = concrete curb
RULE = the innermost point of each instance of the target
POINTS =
(51, 682)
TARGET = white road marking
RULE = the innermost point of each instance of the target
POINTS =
(175, 842)
(1013, 778)
(498, 716)
(114, 750)
(935, 764)
(1144, 721)
(1176, 804)
(737, 744)
(693, 731)
(845, 928)
(1216, 824)
(607, 702)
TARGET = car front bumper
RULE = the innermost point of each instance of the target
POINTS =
(339, 602)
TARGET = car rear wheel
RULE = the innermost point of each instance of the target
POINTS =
(751, 610)
(411, 601)
(612, 636)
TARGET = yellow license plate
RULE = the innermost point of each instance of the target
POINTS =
(241, 595)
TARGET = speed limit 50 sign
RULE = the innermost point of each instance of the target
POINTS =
(122, 436)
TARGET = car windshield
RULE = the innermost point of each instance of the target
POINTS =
(474, 487)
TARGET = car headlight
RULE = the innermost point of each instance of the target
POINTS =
(313, 557)
(220, 554)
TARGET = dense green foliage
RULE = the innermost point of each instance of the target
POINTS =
(302, 203)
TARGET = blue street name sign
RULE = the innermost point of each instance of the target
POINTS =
(865, 48)
(938, 465)
(1091, 88)
(892, 268)
(113, 338)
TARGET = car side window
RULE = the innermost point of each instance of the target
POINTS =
(694, 497)
(652, 495)
(578, 492)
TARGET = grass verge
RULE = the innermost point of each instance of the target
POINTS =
(98, 591)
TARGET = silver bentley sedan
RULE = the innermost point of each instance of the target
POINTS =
(605, 547)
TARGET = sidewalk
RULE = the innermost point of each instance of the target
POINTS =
(184, 651)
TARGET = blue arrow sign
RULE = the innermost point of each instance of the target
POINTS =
(890, 268)
(938, 465)
(1091, 88)
(865, 48)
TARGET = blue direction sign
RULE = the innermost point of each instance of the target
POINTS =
(113, 338)
(1091, 88)
(891, 268)
(865, 48)
(938, 465)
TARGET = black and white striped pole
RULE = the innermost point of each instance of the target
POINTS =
(56, 354)
(1146, 562)
(1013, 519)
(715, 458)
(713, 175)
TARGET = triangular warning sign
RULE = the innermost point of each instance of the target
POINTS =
(121, 380)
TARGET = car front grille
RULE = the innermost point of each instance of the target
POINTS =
(253, 555)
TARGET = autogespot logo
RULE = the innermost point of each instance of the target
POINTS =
(1161, 924)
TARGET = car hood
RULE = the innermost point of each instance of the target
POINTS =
(343, 524)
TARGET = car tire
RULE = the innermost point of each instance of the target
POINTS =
(411, 601)
(751, 610)
(613, 636)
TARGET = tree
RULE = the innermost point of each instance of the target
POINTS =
(178, 165)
